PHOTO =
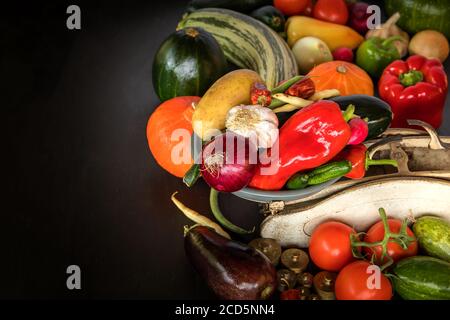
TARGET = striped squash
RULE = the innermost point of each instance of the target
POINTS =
(247, 43)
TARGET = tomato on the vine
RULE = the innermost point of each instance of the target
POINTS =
(357, 282)
(330, 246)
(291, 7)
(394, 250)
(335, 11)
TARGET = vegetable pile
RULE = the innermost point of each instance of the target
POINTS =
(279, 95)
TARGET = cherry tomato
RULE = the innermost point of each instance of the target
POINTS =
(334, 11)
(330, 247)
(357, 282)
(291, 7)
(394, 250)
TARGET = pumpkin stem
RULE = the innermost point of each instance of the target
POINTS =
(192, 32)
(341, 69)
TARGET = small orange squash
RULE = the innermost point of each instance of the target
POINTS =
(347, 77)
(169, 130)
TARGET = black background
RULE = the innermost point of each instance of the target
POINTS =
(81, 186)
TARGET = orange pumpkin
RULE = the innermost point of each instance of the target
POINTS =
(171, 147)
(347, 77)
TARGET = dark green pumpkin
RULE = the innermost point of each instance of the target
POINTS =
(418, 15)
(270, 16)
(188, 62)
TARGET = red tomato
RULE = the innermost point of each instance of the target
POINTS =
(394, 250)
(330, 247)
(334, 11)
(357, 282)
(291, 7)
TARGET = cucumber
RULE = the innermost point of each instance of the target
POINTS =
(319, 175)
(329, 171)
(247, 42)
(270, 16)
(422, 278)
(297, 181)
(433, 234)
(244, 6)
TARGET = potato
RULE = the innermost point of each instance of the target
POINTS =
(230, 90)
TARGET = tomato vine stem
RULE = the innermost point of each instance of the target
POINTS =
(402, 238)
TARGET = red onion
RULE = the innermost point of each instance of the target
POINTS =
(228, 162)
(343, 54)
(358, 17)
(360, 130)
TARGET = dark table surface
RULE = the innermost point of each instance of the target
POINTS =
(81, 185)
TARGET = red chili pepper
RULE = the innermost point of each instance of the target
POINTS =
(304, 89)
(415, 89)
(360, 161)
(311, 137)
(259, 94)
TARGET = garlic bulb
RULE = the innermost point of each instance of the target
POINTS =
(389, 29)
(258, 123)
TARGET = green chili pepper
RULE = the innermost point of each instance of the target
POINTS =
(214, 204)
(286, 85)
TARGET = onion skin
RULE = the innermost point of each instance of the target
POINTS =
(228, 170)
(358, 17)
(430, 44)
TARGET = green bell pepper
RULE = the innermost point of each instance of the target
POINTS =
(375, 54)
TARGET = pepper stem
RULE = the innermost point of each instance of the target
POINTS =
(380, 162)
(348, 113)
(389, 40)
(214, 203)
(410, 78)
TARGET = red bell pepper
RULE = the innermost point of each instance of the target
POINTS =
(311, 137)
(415, 89)
(360, 161)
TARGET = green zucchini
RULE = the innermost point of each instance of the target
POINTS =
(418, 15)
(243, 6)
(433, 234)
(270, 16)
(422, 278)
(188, 62)
(377, 111)
(247, 42)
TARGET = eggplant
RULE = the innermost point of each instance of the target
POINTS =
(376, 110)
(233, 271)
